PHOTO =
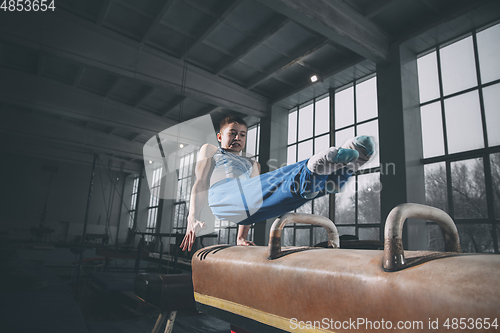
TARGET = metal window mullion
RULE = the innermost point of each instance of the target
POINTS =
(443, 116)
(449, 188)
(332, 131)
(297, 136)
(356, 197)
(490, 201)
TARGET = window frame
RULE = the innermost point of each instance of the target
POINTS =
(480, 153)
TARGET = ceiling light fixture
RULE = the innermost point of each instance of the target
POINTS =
(314, 78)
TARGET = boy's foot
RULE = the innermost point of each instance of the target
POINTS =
(327, 161)
(365, 146)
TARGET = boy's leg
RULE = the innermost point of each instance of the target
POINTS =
(282, 190)
(328, 160)
(366, 149)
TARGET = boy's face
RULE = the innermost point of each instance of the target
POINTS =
(233, 137)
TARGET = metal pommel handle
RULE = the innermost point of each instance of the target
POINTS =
(393, 247)
(274, 248)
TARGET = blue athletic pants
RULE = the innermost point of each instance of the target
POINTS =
(246, 201)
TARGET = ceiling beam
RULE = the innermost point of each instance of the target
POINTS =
(113, 86)
(431, 6)
(40, 68)
(334, 69)
(156, 22)
(103, 12)
(175, 103)
(65, 100)
(338, 22)
(67, 154)
(148, 92)
(92, 46)
(377, 7)
(285, 63)
(263, 35)
(221, 16)
(79, 76)
(40, 128)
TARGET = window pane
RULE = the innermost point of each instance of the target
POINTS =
(345, 205)
(463, 122)
(258, 140)
(435, 240)
(343, 135)
(223, 237)
(322, 206)
(251, 141)
(232, 236)
(366, 100)
(319, 235)
(469, 192)
(428, 82)
(369, 233)
(475, 238)
(347, 231)
(371, 128)
(305, 122)
(344, 108)
(436, 194)
(305, 150)
(432, 129)
(322, 120)
(302, 237)
(321, 143)
(491, 97)
(287, 236)
(369, 198)
(292, 127)
(495, 175)
(305, 208)
(488, 47)
(458, 66)
(291, 156)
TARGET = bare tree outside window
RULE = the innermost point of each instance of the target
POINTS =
(461, 159)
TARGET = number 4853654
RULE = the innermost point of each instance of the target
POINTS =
(27, 5)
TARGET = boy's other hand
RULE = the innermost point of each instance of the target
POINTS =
(192, 229)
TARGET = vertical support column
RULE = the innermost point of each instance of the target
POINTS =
(401, 140)
(85, 222)
(273, 141)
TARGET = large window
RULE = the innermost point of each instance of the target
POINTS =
(154, 200)
(308, 133)
(357, 206)
(253, 142)
(185, 181)
(133, 202)
(459, 88)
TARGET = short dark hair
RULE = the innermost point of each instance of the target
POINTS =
(229, 120)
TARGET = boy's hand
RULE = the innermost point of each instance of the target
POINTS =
(192, 229)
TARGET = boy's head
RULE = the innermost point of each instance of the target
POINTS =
(232, 134)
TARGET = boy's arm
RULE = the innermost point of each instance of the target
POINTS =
(241, 239)
(199, 192)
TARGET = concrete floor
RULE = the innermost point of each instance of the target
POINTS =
(38, 294)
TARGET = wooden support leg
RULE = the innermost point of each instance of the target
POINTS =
(165, 316)
(170, 322)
